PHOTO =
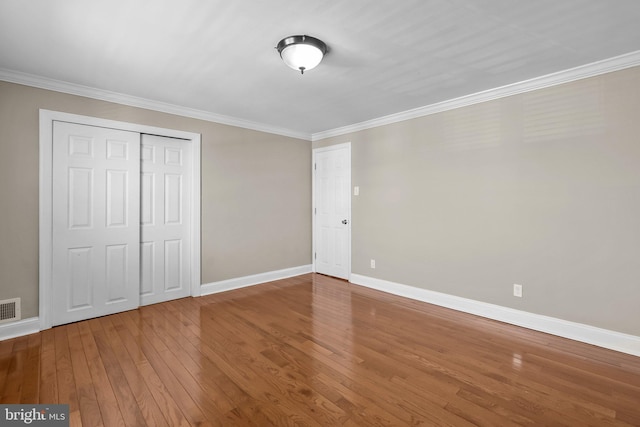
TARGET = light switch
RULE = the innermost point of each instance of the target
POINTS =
(356, 190)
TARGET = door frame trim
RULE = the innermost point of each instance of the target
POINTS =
(47, 117)
(313, 201)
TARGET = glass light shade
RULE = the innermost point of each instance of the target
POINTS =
(301, 56)
(301, 52)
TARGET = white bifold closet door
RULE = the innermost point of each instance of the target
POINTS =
(165, 217)
(96, 227)
(121, 221)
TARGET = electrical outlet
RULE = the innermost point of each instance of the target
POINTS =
(517, 290)
(373, 263)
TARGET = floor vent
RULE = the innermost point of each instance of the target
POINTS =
(9, 310)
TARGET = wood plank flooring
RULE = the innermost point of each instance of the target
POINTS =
(316, 351)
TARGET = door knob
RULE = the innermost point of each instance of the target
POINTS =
(344, 221)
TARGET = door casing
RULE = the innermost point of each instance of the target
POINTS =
(47, 117)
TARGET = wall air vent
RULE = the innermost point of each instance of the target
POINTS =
(9, 310)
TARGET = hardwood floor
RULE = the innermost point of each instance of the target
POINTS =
(313, 350)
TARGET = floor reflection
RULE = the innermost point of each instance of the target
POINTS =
(318, 351)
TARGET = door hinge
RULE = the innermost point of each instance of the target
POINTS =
(315, 255)
(315, 166)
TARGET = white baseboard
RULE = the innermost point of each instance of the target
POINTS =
(605, 338)
(19, 328)
(242, 282)
(612, 340)
(32, 325)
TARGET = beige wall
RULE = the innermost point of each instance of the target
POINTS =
(256, 191)
(540, 189)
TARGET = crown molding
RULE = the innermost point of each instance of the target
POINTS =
(134, 101)
(616, 63)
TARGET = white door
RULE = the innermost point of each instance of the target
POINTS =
(95, 214)
(165, 219)
(332, 196)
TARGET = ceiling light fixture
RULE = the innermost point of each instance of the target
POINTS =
(301, 52)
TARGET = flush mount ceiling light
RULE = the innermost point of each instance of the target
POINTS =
(301, 52)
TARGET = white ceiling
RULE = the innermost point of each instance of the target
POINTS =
(386, 56)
